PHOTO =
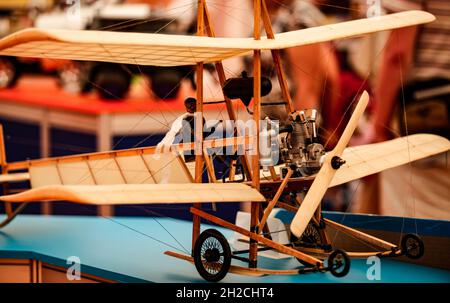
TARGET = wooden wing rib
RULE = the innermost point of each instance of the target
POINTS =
(173, 50)
(369, 159)
(120, 47)
(140, 194)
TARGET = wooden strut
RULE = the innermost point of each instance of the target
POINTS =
(211, 173)
(232, 173)
(287, 207)
(273, 174)
(12, 214)
(209, 166)
(255, 207)
(4, 170)
(353, 254)
(102, 210)
(265, 228)
(2, 148)
(262, 9)
(348, 230)
(362, 236)
(253, 272)
(258, 238)
(8, 206)
(147, 167)
(363, 255)
(196, 221)
(274, 201)
(229, 105)
(322, 254)
(277, 60)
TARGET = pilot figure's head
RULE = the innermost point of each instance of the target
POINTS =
(191, 105)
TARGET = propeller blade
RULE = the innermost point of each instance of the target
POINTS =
(326, 172)
(352, 124)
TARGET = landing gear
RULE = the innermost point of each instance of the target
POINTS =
(412, 246)
(212, 255)
(339, 263)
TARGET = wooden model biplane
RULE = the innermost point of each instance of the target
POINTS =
(138, 176)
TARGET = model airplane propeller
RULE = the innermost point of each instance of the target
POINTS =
(137, 176)
(327, 171)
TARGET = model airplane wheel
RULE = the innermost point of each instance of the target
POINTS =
(412, 246)
(212, 255)
(339, 263)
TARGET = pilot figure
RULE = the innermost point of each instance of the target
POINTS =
(182, 130)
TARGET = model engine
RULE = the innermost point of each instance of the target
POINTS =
(300, 149)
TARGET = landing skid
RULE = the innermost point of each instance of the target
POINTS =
(240, 270)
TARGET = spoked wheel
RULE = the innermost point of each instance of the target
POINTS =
(339, 263)
(311, 235)
(412, 246)
(311, 238)
(212, 255)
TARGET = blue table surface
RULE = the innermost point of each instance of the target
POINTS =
(132, 250)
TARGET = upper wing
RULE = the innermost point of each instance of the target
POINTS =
(173, 50)
(370, 159)
(140, 193)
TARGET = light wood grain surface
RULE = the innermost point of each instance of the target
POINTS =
(174, 50)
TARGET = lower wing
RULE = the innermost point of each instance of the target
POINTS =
(140, 193)
(365, 160)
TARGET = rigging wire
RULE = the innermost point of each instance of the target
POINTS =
(349, 206)
(142, 233)
(409, 153)
(173, 237)
(120, 25)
